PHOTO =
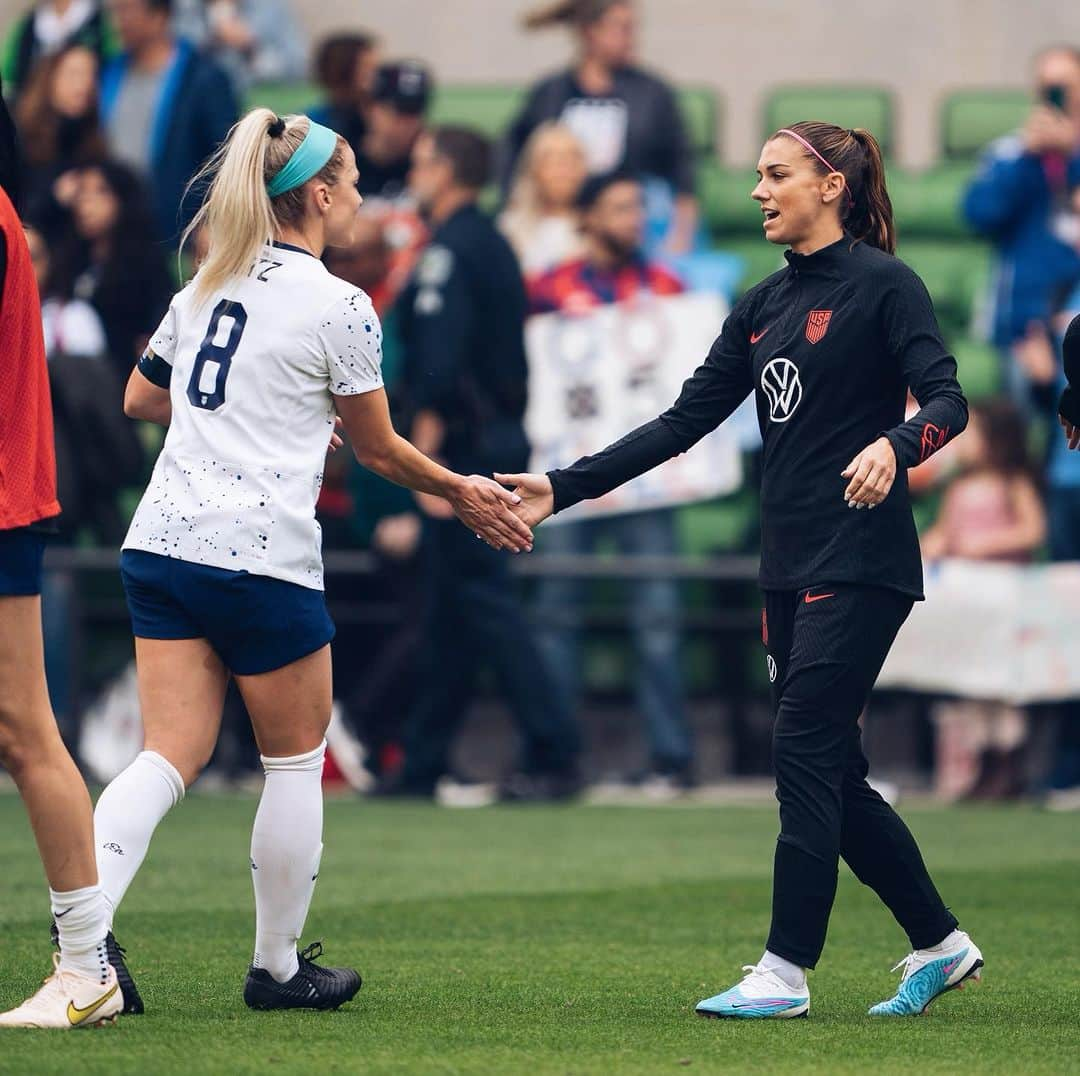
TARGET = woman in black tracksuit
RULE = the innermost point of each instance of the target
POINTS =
(829, 346)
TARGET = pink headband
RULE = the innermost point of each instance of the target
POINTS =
(799, 138)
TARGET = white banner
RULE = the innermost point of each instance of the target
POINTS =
(596, 376)
(992, 631)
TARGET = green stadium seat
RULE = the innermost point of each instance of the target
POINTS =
(760, 258)
(724, 196)
(955, 273)
(720, 526)
(285, 98)
(847, 106)
(488, 109)
(927, 204)
(972, 119)
(699, 109)
(978, 367)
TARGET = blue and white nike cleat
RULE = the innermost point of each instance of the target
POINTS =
(761, 995)
(928, 975)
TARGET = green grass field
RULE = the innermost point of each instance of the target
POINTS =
(558, 940)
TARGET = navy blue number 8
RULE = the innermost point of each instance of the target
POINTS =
(222, 354)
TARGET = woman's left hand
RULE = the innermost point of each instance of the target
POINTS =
(872, 473)
(336, 440)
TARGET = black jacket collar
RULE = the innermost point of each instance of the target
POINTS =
(825, 261)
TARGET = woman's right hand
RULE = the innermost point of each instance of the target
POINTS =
(537, 496)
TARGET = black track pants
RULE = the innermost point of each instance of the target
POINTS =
(826, 646)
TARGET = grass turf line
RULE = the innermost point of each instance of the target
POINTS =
(557, 940)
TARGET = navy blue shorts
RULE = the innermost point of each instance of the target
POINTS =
(255, 623)
(21, 551)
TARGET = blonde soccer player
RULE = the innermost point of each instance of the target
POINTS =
(222, 566)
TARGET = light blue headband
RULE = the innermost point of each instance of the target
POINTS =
(308, 160)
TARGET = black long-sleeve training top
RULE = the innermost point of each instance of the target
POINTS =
(1069, 408)
(829, 346)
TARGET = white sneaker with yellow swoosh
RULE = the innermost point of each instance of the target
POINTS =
(68, 1000)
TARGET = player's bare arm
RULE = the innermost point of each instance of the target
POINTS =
(481, 504)
(145, 400)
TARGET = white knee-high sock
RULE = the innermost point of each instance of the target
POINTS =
(81, 918)
(286, 846)
(125, 818)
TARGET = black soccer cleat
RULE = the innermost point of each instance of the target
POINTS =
(133, 1003)
(312, 987)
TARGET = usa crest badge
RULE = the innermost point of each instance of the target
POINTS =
(817, 324)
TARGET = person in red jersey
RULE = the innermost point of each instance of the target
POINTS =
(614, 268)
(83, 989)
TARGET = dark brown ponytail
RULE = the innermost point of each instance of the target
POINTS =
(867, 214)
(569, 12)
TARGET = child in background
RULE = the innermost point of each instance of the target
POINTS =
(991, 511)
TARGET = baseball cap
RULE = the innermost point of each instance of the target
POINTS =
(406, 85)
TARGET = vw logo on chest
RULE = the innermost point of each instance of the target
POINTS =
(781, 384)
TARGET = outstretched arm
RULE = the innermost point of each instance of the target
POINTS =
(482, 505)
(716, 388)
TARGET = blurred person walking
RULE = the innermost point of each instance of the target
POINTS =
(992, 511)
(166, 109)
(615, 270)
(461, 321)
(829, 346)
(49, 27)
(83, 989)
(624, 116)
(541, 219)
(222, 565)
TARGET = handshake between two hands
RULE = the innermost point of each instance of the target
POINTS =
(504, 518)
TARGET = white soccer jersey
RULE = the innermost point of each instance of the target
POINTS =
(253, 369)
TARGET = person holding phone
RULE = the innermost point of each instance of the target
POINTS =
(1020, 201)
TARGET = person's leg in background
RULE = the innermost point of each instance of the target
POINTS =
(56, 609)
(447, 663)
(490, 603)
(656, 615)
(959, 742)
(557, 610)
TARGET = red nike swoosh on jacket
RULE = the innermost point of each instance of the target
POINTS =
(810, 599)
(755, 337)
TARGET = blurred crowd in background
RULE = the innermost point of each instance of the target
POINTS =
(603, 181)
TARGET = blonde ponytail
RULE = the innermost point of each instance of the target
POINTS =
(238, 213)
